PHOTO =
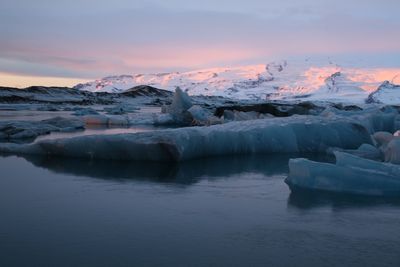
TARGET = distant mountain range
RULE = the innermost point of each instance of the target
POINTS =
(283, 80)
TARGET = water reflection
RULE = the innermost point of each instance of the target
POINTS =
(159, 214)
(184, 173)
(191, 172)
(99, 130)
(308, 199)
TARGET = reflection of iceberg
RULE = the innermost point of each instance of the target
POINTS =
(187, 172)
(306, 199)
(350, 174)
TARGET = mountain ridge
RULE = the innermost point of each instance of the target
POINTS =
(280, 80)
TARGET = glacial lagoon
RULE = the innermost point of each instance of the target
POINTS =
(230, 211)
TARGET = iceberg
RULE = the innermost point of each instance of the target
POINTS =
(350, 174)
(296, 134)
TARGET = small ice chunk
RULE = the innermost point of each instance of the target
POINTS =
(201, 116)
(65, 123)
(179, 108)
(120, 109)
(181, 101)
(382, 138)
(392, 151)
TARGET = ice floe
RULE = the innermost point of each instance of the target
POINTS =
(277, 135)
(350, 174)
(19, 130)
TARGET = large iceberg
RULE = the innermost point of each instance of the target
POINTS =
(274, 135)
(350, 174)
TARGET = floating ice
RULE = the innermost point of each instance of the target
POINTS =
(382, 139)
(276, 135)
(392, 151)
(120, 109)
(201, 116)
(350, 174)
(16, 130)
(84, 112)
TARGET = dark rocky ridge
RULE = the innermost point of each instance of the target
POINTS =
(145, 90)
(275, 109)
(65, 95)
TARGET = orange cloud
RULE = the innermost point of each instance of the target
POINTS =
(21, 81)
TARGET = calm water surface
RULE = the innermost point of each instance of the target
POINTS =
(216, 212)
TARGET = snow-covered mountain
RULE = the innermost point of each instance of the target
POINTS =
(277, 80)
(387, 93)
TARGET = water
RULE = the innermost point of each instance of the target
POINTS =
(99, 130)
(216, 212)
(32, 112)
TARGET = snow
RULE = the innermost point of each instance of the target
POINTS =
(281, 80)
(387, 92)
(350, 174)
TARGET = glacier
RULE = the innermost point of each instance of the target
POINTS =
(293, 79)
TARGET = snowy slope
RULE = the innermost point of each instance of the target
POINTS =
(388, 93)
(276, 80)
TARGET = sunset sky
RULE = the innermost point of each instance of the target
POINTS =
(68, 41)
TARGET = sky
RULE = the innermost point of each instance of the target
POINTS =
(64, 42)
